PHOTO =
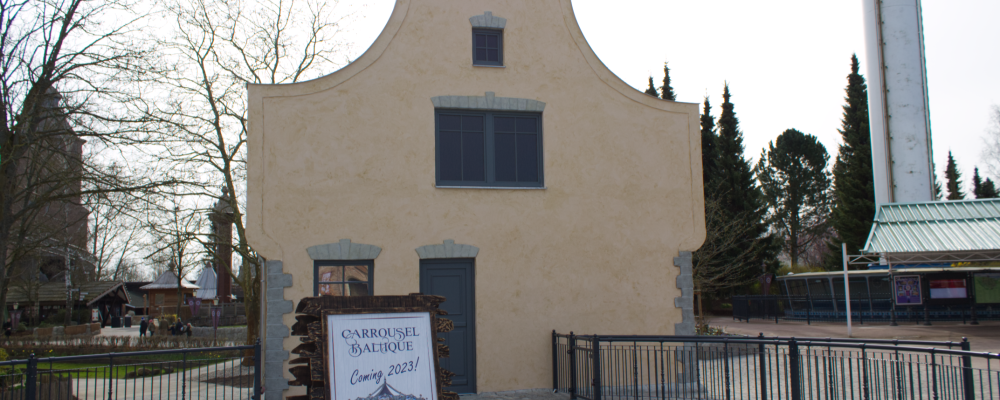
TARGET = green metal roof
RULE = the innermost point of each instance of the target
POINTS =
(936, 226)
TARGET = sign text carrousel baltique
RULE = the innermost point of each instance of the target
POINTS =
(386, 356)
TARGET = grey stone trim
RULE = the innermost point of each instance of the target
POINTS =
(487, 20)
(488, 102)
(447, 250)
(275, 354)
(685, 282)
(344, 250)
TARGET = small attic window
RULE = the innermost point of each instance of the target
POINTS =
(487, 39)
(487, 47)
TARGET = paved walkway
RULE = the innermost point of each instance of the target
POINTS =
(166, 386)
(532, 394)
(109, 331)
(983, 337)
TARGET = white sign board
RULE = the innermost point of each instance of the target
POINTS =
(380, 357)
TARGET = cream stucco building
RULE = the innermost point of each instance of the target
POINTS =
(479, 150)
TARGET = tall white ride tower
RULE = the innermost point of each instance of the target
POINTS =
(898, 110)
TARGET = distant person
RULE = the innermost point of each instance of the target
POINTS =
(178, 327)
(187, 329)
(143, 326)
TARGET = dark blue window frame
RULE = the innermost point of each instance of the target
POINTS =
(487, 47)
(488, 149)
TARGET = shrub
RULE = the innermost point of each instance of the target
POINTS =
(19, 347)
(703, 329)
(58, 318)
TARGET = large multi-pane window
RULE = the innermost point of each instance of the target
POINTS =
(487, 47)
(485, 148)
(343, 278)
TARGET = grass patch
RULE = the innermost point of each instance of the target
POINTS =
(52, 346)
(124, 369)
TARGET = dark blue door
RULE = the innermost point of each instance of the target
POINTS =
(455, 280)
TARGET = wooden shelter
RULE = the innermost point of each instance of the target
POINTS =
(137, 297)
(110, 298)
(162, 296)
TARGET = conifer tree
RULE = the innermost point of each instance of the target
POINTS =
(983, 189)
(954, 179)
(989, 190)
(708, 139)
(735, 174)
(853, 180)
(793, 176)
(666, 91)
(737, 243)
(651, 90)
(977, 183)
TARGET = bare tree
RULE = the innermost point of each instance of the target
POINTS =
(218, 48)
(719, 263)
(130, 271)
(43, 225)
(27, 280)
(116, 234)
(62, 68)
(178, 242)
(158, 265)
(991, 149)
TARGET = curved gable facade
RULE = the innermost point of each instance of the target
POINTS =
(590, 203)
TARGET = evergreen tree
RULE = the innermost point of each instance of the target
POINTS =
(737, 242)
(666, 91)
(853, 180)
(989, 190)
(796, 185)
(734, 172)
(708, 139)
(977, 183)
(983, 189)
(954, 179)
(652, 89)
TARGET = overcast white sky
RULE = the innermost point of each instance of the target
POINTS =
(786, 61)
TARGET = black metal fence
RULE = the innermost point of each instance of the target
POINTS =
(597, 367)
(866, 309)
(195, 373)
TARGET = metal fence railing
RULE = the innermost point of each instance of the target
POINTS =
(599, 367)
(194, 373)
(834, 308)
